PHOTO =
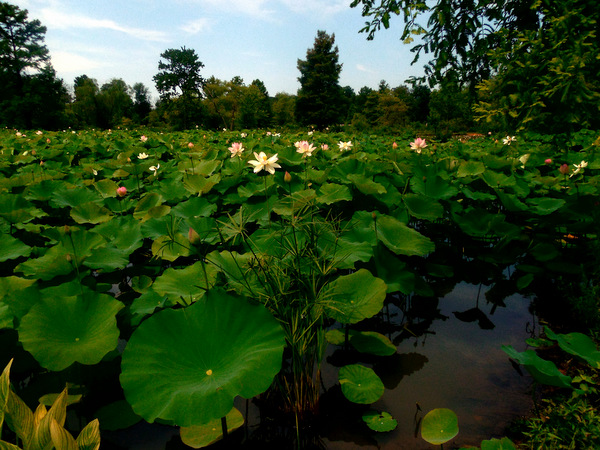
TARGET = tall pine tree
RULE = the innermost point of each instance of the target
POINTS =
(320, 101)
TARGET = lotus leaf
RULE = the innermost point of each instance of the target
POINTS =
(62, 329)
(401, 239)
(352, 298)
(199, 436)
(15, 209)
(331, 193)
(12, 248)
(365, 185)
(470, 168)
(577, 344)
(423, 207)
(543, 371)
(360, 384)
(380, 422)
(498, 444)
(90, 212)
(372, 342)
(545, 205)
(188, 284)
(196, 360)
(439, 426)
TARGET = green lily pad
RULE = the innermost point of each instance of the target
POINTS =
(372, 342)
(401, 239)
(577, 344)
(360, 384)
(331, 193)
(15, 209)
(423, 207)
(188, 284)
(380, 422)
(195, 361)
(439, 426)
(545, 205)
(12, 248)
(199, 436)
(61, 329)
(470, 168)
(543, 371)
(352, 298)
(90, 212)
(498, 444)
(335, 336)
(366, 185)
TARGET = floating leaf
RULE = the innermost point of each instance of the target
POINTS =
(372, 342)
(577, 344)
(423, 207)
(498, 444)
(352, 298)
(199, 436)
(439, 426)
(401, 239)
(60, 329)
(331, 193)
(380, 422)
(12, 248)
(360, 384)
(188, 283)
(196, 360)
(90, 213)
(543, 371)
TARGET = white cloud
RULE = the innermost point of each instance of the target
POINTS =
(196, 26)
(60, 20)
(363, 68)
(320, 7)
(67, 62)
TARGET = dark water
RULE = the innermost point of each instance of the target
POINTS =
(455, 362)
(457, 365)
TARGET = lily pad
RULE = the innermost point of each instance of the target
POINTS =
(61, 329)
(12, 248)
(577, 344)
(498, 444)
(543, 371)
(381, 422)
(360, 384)
(355, 297)
(401, 239)
(195, 361)
(199, 436)
(188, 284)
(372, 342)
(439, 426)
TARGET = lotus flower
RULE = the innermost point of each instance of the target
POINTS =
(345, 145)
(305, 148)
(122, 191)
(236, 149)
(264, 162)
(418, 145)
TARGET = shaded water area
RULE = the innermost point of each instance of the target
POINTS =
(448, 355)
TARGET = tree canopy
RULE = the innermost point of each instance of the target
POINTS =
(320, 99)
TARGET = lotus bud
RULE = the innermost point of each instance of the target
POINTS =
(287, 177)
(128, 159)
(193, 236)
(122, 191)
(394, 146)
(190, 145)
(68, 257)
(548, 161)
(373, 215)
(47, 140)
(564, 169)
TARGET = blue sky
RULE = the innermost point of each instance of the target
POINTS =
(248, 38)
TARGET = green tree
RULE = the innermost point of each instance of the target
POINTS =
(179, 77)
(85, 105)
(114, 103)
(320, 99)
(284, 106)
(536, 62)
(31, 93)
(141, 103)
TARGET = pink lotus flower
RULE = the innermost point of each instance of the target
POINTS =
(305, 148)
(143, 138)
(122, 191)
(190, 145)
(236, 149)
(324, 147)
(548, 161)
(418, 145)
(564, 169)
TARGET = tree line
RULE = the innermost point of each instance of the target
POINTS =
(503, 65)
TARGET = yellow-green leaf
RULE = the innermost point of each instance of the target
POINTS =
(89, 438)
(61, 438)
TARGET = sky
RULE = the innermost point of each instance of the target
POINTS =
(252, 39)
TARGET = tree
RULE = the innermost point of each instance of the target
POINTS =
(141, 103)
(31, 93)
(320, 99)
(21, 42)
(179, 76)
(114, 102)
(531, 57)
(85, 105)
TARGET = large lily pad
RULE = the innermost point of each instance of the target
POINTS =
(439, 426)
(352, 298)
(577, 344)
(62, 329)
(360, 384)
(401, 239)
(195, 361)
(200, 436)
(543, 371)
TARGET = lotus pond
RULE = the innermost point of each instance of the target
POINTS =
(292, 290)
